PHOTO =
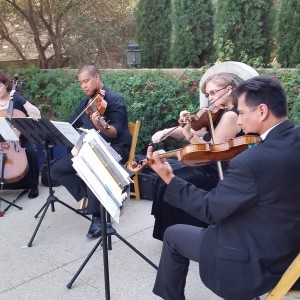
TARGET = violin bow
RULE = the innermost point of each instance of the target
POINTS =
(212, 131)
(210, 106)
(89, 104)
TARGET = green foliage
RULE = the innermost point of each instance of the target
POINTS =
(153, 27)
(290, 80)
(154, 97)
(192, 33)
(246, 26)
(288, 28)
(55, 92)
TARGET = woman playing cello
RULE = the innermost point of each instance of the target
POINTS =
(218, 88)
(8, 95)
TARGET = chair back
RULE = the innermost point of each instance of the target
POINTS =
(134, 129)
(288, 279)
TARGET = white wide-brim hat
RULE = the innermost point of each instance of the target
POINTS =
(240, 69)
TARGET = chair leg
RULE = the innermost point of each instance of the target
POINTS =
(136, 187)
(83, 203)
(287, 280)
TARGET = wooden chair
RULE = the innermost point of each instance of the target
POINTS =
(287, 280)
(134, 129)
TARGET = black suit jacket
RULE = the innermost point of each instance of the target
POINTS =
(255, 216)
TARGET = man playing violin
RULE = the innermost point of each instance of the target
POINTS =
(253, 213)
(112, 125)
(219, 89)
(11, 99)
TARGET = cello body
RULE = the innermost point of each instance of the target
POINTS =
(13, 159)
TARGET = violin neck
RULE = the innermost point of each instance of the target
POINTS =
(103, 122)
(169, 154)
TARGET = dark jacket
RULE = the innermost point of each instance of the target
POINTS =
(256, 215)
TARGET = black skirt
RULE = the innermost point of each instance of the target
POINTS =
(205, 177)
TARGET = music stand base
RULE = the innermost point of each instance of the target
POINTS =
(105, 240)
(50, 201)
(12, 203)
(51, 198)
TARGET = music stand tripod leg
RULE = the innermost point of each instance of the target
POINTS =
(51, 198)
(69, 285)
(13, 202)
(107, 231)
(103, 239)
(10, 204)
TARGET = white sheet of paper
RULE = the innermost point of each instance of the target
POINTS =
(93, 135)
(98, 190)
(67, 130)
(99, 173)
(6, 131)
(89, 168)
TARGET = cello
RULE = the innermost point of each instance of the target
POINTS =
(13, 159)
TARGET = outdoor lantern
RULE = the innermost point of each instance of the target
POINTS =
(133, 55)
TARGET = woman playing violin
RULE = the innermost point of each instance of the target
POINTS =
(219, 90)
(112, 125)
(7, 96)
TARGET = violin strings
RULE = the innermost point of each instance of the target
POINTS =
(165, 136)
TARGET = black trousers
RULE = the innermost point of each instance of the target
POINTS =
(181, 244)
(205, 177)
(63, 172)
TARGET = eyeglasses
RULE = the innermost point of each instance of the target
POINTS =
(213, 92)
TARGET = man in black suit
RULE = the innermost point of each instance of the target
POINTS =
(254, 211)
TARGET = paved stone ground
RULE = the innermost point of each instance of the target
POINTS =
(60, 247)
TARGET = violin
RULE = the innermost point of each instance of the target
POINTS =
(202, 154)
(13, 159)
(98, 104)
(201, 118)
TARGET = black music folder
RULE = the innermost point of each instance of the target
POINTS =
(41, 130)
(6, 132)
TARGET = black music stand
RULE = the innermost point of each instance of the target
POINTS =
(105, 241)
(45, 133)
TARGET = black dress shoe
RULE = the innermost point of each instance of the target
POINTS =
(33, 192)
(95, 228)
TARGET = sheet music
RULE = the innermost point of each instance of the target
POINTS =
(107, 149)
(90, 176)
(67, 130)
(98, 175)
(7, 132)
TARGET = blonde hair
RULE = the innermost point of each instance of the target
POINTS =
(222, 80)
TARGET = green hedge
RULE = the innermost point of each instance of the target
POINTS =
(153, 97)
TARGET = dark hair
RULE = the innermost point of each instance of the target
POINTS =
(91, 68)
(264, 89)
(4, 79)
